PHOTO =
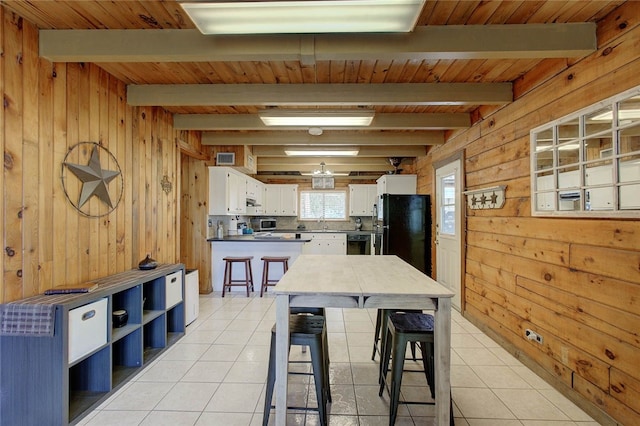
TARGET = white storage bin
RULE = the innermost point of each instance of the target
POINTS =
(173, 289)
(87, 329)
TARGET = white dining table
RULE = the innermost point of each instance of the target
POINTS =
(341, 281)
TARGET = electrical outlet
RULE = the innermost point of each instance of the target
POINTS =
(531, 335)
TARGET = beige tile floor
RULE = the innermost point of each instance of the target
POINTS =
(216, 375)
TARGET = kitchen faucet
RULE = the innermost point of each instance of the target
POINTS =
(324, 223)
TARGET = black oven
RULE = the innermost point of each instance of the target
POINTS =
(358, 243)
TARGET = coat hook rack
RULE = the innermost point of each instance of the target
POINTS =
(486, 198)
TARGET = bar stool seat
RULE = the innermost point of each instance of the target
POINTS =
(267, 260)
(229, 282)
(402, 329)
(381, 331)
(305, 330)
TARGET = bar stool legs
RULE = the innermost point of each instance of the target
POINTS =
(403, 329)
(229, 282)
(267, 260)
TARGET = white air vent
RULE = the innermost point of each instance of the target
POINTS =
(226, 159)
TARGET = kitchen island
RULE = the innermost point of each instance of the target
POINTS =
(256, 246)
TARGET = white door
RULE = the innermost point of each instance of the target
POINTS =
(449, 211)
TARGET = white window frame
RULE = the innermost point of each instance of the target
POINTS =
(553, 195)
(343, 193)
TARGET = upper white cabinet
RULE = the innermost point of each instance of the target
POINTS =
(281, 200)
(325, 243)
(397, 184)
(227, 191)
(361, 199)
(255, 196)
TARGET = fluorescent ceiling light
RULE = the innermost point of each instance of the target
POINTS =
(569, 147)
(314, 118)
(333, 174)
(623, 114)
(321, 153)
(322, 16)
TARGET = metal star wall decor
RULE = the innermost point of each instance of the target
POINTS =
(95, 181)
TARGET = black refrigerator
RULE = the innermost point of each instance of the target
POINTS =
(404, 229)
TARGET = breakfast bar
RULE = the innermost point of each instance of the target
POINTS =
(364, 282)
(256, 246)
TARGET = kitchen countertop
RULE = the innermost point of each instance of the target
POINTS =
(258, 239)
(335, 231)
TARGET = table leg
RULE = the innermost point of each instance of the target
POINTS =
(442, 337)
(282, 357)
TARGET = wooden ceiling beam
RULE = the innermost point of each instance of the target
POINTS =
(412, 121)
(514, 41)
(320, 94)
(418, 137)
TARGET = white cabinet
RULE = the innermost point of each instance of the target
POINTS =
(255, 193)
(361, 199)
(397, 184)
(629, 172)
(227, 191)
(281, 200)
(599, 198)
(545, 200)
(325, 243)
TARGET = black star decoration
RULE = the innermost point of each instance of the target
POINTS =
(494, 198)
(94, 179)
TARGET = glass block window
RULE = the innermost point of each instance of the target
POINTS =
(588, 163)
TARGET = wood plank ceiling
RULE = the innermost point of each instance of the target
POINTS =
(462, 61)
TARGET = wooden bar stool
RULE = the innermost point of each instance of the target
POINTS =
(228, 273)
(265, 270)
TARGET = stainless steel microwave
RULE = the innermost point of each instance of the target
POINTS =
(264, 224)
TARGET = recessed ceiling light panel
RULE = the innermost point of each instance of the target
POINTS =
(313, 118)
(321, 152)
(322, 16)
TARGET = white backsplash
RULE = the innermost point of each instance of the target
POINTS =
(288, 223)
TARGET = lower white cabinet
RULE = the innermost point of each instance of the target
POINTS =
(57, 380)
(325, 243)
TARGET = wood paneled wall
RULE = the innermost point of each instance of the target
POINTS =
(195, 251)
(49, 108)
(575, 281)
